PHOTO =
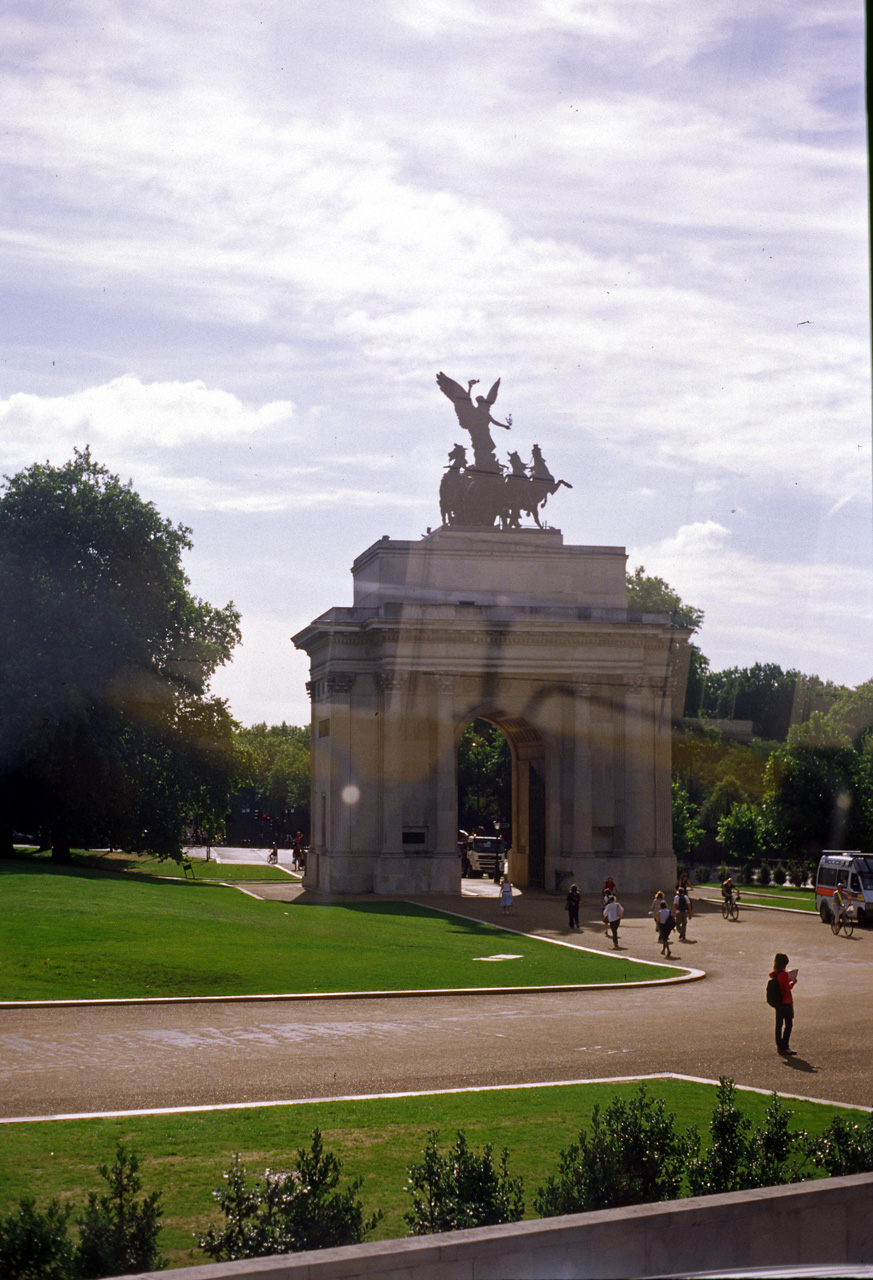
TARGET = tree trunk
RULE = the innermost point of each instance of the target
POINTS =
(61, 849)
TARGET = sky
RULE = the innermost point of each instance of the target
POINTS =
(240, 239)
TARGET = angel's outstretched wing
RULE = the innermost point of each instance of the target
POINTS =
(492, 394)
(452, 389)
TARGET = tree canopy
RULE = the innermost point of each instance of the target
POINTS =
(107, 728)
(271, 784)
(484, 777)
(654, 595)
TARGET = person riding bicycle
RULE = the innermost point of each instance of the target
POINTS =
(727, 890)
(839, 902)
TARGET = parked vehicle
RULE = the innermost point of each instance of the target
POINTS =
(485, 856)
(852, 871)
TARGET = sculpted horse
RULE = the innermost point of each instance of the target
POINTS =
(453, 486)
(528, 488)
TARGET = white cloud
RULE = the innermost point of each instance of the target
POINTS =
(160, 415)
(763, 608)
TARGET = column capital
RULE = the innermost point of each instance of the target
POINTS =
(340, 682)
(391, 681)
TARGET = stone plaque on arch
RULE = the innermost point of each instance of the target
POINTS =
(510, 626)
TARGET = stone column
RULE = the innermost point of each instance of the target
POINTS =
(637, 775)
(662, 702)
(582, 779)
(391, 686)
(446, 772)
(339, 686)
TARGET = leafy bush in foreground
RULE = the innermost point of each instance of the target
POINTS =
(739, 1159)
(35, 1245)
(118, 1232)
(634, 1155)
(461, 1189)
(288, 1212)
(844, 1147)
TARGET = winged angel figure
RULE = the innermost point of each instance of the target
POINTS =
(476, 418)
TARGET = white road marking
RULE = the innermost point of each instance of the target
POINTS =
(418, 1093)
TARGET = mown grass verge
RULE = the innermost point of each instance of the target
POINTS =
(132, 865)
(184, 1155)
(78, 933)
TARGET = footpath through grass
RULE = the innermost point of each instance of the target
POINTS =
(771, 896)
(184, 1155)
(78, 933)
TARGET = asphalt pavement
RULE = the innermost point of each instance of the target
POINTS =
(92, 1059)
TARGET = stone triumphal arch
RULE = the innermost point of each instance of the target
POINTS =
(511, 626)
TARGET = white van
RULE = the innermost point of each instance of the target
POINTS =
(853, 872)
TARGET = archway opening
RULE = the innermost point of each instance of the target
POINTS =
(484, 798)
(502, 797)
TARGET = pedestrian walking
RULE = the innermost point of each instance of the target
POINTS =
(666, 925)
(612, 914)
(657, 904)
(681, 911)
(506, 894)
(779, 996)
(571, 906)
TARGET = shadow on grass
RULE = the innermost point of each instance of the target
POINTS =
(404, 910)
(89, 867)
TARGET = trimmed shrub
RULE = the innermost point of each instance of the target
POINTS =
(701, 875)
(35, 1245)
(633, 1155)
(798, 873)
(780, 873)
(845, 1147)
(118, 1231)
(289, 1211)
(461, 1189)
(740, 1157)
(764, 876)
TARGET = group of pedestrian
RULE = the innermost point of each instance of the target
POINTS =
(666, 920)
(611, 908)
(782, 979)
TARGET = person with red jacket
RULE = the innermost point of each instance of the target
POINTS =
(784, 1011)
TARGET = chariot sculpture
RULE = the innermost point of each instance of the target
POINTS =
(485, 492)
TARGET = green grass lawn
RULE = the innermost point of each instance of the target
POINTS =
(184, 1155)
(78, 933)
(129, 864)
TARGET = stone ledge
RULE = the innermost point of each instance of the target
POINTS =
(826, 1222)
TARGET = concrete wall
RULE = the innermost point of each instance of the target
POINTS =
(827, 1222)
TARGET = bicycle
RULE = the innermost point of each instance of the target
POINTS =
(729, 908)
(843, 921)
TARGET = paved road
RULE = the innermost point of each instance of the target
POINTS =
(90, 1059)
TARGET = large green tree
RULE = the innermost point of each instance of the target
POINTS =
(107, 728)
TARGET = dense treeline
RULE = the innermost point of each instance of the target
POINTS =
(803, 783)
